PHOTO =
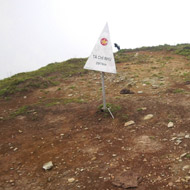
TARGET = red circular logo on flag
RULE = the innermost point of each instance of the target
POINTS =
(104, 41)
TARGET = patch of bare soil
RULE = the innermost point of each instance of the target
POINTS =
(89, 149)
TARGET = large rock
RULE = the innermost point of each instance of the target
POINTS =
(127, 180)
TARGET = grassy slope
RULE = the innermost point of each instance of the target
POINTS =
(42, 78)
(55, 72)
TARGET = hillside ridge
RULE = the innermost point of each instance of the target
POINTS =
(53, 115)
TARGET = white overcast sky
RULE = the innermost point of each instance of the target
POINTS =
(34, 33)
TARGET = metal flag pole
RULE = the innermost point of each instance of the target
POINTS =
(104, 96)
(103, 91)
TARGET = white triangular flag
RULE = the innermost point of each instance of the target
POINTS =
(101, 58)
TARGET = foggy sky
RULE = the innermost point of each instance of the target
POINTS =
(35, 33)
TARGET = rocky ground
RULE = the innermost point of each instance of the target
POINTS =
(58, 139)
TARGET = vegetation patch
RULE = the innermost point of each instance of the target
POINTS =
(114, 108)
(186, 76)
(178, 91)
(180, 49)
(42, 78)
(122, 57)
(21, 111)
(53, 102)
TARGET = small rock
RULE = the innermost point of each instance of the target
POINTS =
(71, 180)
(178, 180)
(19, 131)
(170, 184)
(15, 149)
(159, 178)
(144, 160)
(183, 155)
(140, 92)
(173, 138)
(149, 116)
(1, 118)
(170, 124)
(181, 134)
(129, 123)
(48, 165)
(187, 178)
(70, 95)
(187, 136)
(49, 179)
(126, 91)
(186, 167)
(178, 142)
(25, 97)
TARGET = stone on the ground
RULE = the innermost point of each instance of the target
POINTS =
(129, 123)
(183, 155)
(149, 116)
(126, 180)
(186, 167)
(178, 142)
(170, 184)
(187, 178)
(48, 165)
(71, 180)
(187, 136)
(126, 91)
(170, 124)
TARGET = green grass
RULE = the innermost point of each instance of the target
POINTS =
(22, 110)
(139, 109)
(122, 56)
(187, 155)
(52, 74)
(42, 78)
(114, 108)
(178, 91)
(186, 76)
(61, 101)
(152, 137)
(72, 87)
(125, 117)
(180, 49)
(168, 58)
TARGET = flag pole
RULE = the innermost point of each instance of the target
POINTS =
(103, 91)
